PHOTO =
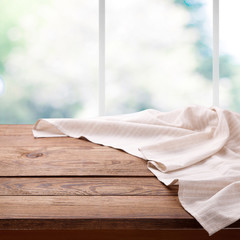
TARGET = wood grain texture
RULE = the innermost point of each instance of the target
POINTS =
(119, 235)
(15, 129)
(93, 212)
(68, 161)
(22, 155)
(30, 141)
(91, 207)
(97, 224)
(85, 186)
(73, 184)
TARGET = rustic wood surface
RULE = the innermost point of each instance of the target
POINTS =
(84, 186)
(22, 155)
(69, 161)
(119, 235)
(73, 184)
(91, 207)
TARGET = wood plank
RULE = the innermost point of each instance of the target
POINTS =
(15, 129)
(97, 224)
(30, 141)
(93, 212)
(22, 136)
(119, 235)
(91, 207)
(85, 186)
(68, 161)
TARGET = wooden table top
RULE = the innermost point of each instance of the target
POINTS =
(73, 184)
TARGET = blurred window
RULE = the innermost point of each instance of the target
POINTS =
(48, 59)
(229, 55)
(158, 55)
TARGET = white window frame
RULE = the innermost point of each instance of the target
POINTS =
(101, 87)
(215, 55)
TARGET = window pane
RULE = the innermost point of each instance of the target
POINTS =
(229, 55)
(158, 54)
(48, 59)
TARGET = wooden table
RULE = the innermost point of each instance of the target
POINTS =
(67, 188)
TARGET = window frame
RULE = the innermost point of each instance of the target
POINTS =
(215, 55)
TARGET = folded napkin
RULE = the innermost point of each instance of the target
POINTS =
(196, 147)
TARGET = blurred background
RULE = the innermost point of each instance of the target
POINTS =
(158, 55)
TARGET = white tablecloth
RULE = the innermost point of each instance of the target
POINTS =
(196, 147)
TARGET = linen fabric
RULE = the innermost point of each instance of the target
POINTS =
(196, 147)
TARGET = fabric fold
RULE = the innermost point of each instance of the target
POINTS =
(196, 147)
